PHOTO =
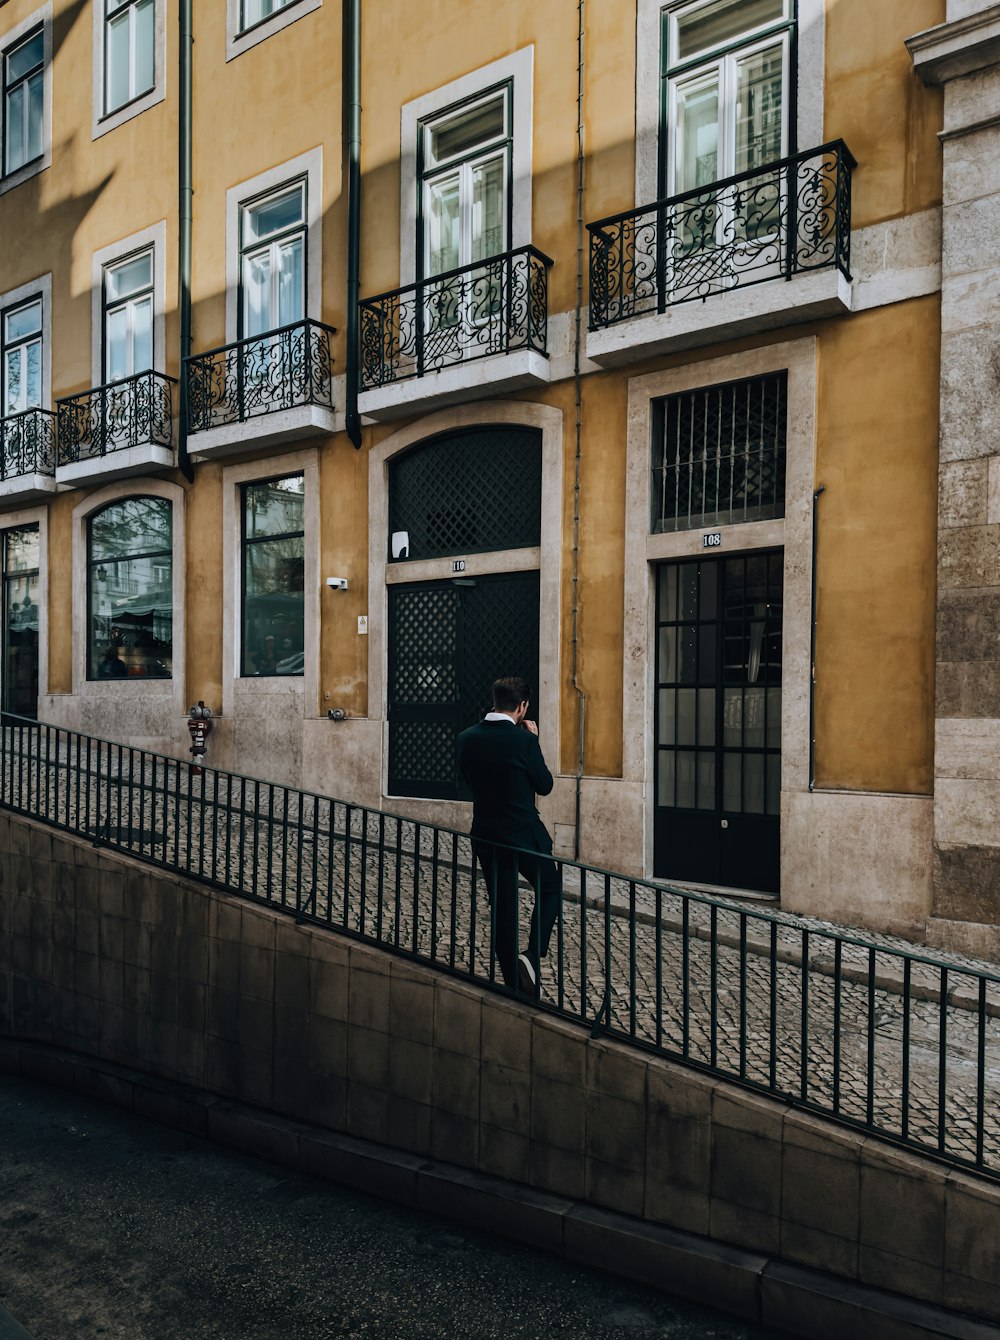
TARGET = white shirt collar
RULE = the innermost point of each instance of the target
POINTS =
(499, 716)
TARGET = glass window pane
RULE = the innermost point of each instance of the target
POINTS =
(13, 382)
(257, 293)
(32, 374)
(274, 606)
(689, 590)
(145, 42)
(21, 546)
(275, 214)
(709, 605)
(20, 680)
(275, 508)
(774, 783)
(291, 282)
(706, 653)
(142, 334)
(753, 783)
(686, 778)
(668, 591)
(774, 718)
(686, 716)
(488, 221)
(753, 717)
(667, 733)
(706, 716)
(130, 277)
(719, 23)
(464, 132)
(706, 780)
(443, 225)
(16, 111)
(25, 321)
(116, 351)
(732, 718)
(665, 777)
(666, 666)
(114, 5)
(687, 656)
(133, 526)
(731, 783)
(117, 58)
(758, 114)
(697, 135)
(33, 147)
(24, 57)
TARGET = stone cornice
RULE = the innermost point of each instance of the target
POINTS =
(955, 49)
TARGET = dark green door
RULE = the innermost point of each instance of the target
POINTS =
(448, 642)
(717, 721)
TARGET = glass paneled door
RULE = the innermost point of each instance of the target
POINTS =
(20, 556)
(717, 741)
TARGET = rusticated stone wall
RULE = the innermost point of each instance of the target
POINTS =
(108, 958)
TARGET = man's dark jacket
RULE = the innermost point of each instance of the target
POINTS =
(504, 768)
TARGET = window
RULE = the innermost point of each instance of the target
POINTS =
(719, 454)
(256, 11)
(23, 102)
(130, 590)
(128, 316)
(273, 641)
(273, 261)
(725, 68)
(21, 594)
(129, 47)
(465, 163)
(21, 337)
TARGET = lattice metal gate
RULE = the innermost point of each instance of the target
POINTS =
(448, 642)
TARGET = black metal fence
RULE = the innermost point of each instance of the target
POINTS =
(768, 223)
(492, 307)
(284, 369)
(136, 411)
(859, 1029)
(28, 443)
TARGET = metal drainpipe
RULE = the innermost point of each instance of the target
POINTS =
(577, 684)
(812, 644)
(353, 55)
(184, 226)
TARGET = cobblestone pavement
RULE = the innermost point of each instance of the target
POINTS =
(869, 1027)
(115, 1228)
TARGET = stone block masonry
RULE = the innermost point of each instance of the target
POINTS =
(231, 1020)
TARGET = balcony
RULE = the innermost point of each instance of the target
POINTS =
(110, 432)
(262, 391)
(767, 248)
(28, 455)
(477, 331)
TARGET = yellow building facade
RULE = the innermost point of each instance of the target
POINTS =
(353, 359)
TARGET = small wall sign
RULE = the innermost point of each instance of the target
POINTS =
(712, 539)
(458, 565)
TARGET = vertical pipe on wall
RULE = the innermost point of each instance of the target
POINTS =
(353, 62)
(578, 398)
(812, 641)
(184, 224)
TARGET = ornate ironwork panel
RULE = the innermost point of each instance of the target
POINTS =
(282, 370)
(28, 443)
(491, 307)
(769, 223)
(719, 454)
(129, 413)
(448, 642)
(467, 492)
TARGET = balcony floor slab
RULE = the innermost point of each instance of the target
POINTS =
(724, 316)
(265, 430)
(476, 380)
(119, 464)
(26, 488)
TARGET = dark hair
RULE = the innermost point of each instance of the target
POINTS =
(509, 694)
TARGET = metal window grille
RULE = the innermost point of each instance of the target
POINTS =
(719, 454)
(468, 492)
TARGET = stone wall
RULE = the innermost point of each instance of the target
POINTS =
(107, 958)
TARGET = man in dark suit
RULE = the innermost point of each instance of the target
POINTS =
(501, 761)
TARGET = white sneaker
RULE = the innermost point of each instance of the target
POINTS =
(527, 977)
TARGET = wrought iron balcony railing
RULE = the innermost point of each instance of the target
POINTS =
(284, 369)
(129, 413)
(491, 307)
(28, 443)
(768, 223)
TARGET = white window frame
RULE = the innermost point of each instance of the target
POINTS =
(155, 238)
(127, 304)
(103, 121)
(11, 39)
(239, 39)
(809, 76)
(37, 289)
(236, 687)
(518, 69)
(272, 245)
(310, 167)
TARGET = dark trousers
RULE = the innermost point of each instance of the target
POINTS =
(500, 867)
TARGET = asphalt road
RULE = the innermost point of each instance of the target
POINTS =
(117, 1227)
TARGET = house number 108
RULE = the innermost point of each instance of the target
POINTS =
(712, 540)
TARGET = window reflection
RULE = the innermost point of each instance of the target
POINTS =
(130, 590)
(273, 577)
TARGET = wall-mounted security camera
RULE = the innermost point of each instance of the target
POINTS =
(337, 583)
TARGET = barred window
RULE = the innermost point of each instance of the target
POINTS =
(719, 454)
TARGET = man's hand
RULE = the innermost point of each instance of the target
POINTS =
(530, 725)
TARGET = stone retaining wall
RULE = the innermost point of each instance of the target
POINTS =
(103, 956)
